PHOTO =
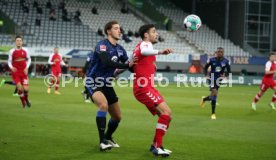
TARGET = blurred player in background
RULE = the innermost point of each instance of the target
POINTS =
(9, 83)
(108, 56)
(267, 82)
(218, 65)
(19, 62)
(86, 67)
(143, 87)
(55, 60)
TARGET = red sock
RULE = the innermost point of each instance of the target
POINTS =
(257, 97)
(273, 97)
(22, 98)
(161, 128)
(57, 85)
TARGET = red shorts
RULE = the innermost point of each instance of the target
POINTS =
(20, 77)
(56, 73)
(149, 96)
(267, 84)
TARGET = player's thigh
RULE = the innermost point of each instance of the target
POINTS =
(25, 82)
(110, 95)
(55, 74)
(19, 86)
(214, 91)
(163, 108)
(99, 99)
(58, 76)
(263, 87)
(115, 111)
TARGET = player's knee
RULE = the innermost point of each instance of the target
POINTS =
(19, 89)
(167, 111)
(117, 118)
(103, 106)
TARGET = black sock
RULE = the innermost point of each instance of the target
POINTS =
(207, 98)
(213, 109)
(112, 126)
(101, 124)
(87, 96)
(214, 101)
(15, 91)
(9, 82)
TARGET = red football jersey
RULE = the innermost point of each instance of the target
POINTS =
(19, 58)
(269, 66)
(55, 60)
(145, 68)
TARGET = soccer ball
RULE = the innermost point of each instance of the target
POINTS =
(192, 23)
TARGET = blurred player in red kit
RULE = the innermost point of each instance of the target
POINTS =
(19, 62)
(267, 82)
(55, 60)
(143, 87)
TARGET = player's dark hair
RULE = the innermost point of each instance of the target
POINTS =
(18, 37)
(144, 29)
(109, 25)
(220, 48)
(271, 54)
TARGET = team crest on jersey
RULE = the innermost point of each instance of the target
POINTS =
(102, 47)
(120, 53)
(114, 58)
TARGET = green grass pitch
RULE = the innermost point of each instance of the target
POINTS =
(62, 127)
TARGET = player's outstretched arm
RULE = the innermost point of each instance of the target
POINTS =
(166, 51)
(149, 51)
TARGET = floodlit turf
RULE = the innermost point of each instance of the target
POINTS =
(62, 127)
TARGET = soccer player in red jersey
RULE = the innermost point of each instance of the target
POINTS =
(267, 82)
(143, 87)
(19, 62)
(55, 60)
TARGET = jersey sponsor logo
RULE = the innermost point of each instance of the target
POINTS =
(102, 47)
(218, 69)
(114, 58)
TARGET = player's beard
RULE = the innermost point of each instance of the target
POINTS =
(116, 38)
(155, 41)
